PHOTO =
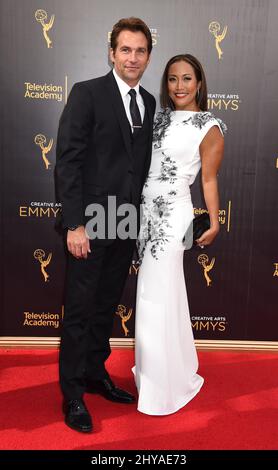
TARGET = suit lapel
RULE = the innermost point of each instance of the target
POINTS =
(148, 110)
(117, 103)
(146, 103)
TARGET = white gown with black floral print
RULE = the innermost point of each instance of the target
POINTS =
(165, 355)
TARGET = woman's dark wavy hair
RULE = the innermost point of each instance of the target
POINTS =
(202, 99)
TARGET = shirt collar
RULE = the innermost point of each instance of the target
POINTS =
(123, 86)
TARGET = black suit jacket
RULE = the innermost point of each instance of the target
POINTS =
(94, 147)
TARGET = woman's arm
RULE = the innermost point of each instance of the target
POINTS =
(211, 152)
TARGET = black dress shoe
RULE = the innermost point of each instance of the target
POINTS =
(108, 390)
(77, 416)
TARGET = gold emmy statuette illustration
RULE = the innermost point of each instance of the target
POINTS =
(203, 260)
(125, 316)
(39, 255)
(276, 269)
(214, 28)
(41, 17)
(134, 267)
(40, 140)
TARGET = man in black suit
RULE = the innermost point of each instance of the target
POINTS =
(103, 149)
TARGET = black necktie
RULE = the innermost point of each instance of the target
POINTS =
(134, 111)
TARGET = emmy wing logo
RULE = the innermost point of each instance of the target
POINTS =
(214, 28)
(40, 140)
(134, 267)
(125, 316)
(41, 17)
(203, 260)
(39, 255)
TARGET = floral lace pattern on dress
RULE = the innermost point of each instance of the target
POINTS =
(168, 171)
(161, 123)
(154, 225)
(199, 120)
(156, 212)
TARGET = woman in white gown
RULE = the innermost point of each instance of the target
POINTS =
(186, 137)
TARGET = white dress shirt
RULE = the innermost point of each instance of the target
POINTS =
(124, 89)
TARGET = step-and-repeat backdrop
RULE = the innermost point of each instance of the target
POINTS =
(48, 45)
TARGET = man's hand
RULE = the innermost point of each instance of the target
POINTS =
(78, 243)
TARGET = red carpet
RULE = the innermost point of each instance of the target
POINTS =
(237, 407)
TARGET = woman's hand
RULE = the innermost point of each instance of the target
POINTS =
(211, 151)
(207, 237)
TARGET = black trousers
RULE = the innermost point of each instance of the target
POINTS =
(93, 291)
